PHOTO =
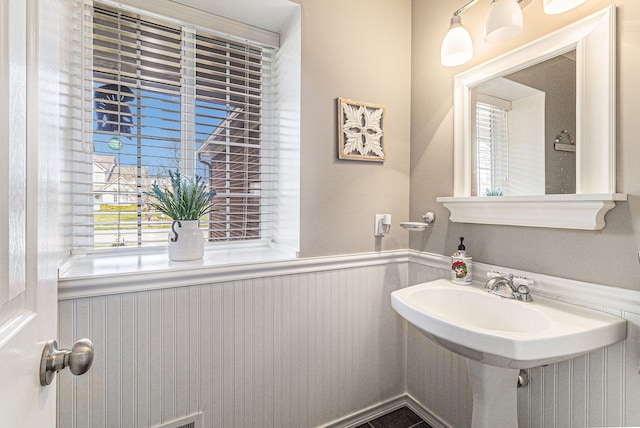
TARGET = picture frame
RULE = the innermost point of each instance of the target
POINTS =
(361, 129)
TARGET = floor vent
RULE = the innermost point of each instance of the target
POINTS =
(190, 421)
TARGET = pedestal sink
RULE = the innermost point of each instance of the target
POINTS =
(501, 336)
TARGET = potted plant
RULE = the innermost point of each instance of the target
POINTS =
(185, 201)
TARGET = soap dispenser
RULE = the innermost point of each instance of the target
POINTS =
(461, 265)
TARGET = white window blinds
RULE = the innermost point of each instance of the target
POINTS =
(492, 150)
(163, 97)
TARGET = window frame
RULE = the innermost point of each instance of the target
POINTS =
(83, 249)
(494, 137)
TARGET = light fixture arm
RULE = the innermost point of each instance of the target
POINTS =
(521, 3)
(465, 7)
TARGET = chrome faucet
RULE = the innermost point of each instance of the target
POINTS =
(509, 287)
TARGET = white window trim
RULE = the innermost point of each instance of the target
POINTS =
(285, 243)
(498, 165)
(180, 13)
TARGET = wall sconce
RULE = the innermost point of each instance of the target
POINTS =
(503, 22)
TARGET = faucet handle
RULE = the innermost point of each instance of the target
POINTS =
(523, 294)
(495, 273)
(520, 280)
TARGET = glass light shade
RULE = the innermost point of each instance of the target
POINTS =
(457, 47)
(504, 21)
(552, 7)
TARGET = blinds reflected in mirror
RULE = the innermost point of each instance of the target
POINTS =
(492, 150)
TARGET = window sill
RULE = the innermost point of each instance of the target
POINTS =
(135, 270)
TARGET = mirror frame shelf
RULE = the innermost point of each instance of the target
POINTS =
(584, 212)
(594, 39)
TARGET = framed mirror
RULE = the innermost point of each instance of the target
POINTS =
(534, 132)
(523, 128)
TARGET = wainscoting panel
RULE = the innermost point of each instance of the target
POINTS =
(598, 389)
(310, 343)
(436, 377)
(295, 350)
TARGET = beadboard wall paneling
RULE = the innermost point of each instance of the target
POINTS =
(598, 389)
(438, 380)
(296, 350)
(436, 377)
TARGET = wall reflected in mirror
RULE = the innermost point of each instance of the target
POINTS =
(523, 131)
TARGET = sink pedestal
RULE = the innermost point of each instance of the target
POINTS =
(495, 401)
(490, 332)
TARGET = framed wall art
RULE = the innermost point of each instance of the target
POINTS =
(361, 130)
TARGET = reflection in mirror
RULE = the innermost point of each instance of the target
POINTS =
(523, 128)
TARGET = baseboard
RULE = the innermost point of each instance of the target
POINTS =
(370, 413)
(424, 412)
(375, 411)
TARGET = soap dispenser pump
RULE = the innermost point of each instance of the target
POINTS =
(461, 265)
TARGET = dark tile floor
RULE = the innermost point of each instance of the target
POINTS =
(401, 418)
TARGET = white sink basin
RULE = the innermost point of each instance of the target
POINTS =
(502, 332)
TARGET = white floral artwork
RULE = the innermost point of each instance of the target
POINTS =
(361, 130)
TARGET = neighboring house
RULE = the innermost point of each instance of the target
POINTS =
(232, 155)
(116, 184)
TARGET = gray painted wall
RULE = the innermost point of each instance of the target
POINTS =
(609, 256)
(357, 49)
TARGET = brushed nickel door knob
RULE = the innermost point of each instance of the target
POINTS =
(78, 359)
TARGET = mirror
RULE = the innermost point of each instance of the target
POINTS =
(522, 131)
(553, 165)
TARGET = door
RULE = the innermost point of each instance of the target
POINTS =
(28, 193)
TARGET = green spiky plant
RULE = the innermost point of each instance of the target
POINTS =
(186, 199)
(496, 191)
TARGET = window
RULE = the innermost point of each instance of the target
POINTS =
(159, 96)
(492, 150)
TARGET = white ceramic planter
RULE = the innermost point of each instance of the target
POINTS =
(186, 241)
